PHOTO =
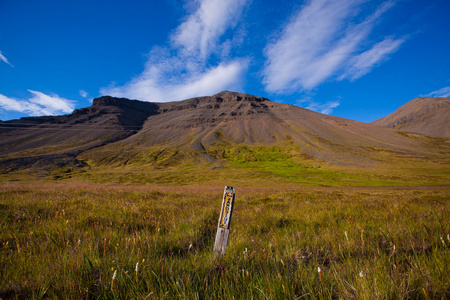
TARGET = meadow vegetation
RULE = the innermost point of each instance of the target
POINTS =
(257, 165)
(83, 241)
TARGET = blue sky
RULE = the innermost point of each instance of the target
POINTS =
(356, 59)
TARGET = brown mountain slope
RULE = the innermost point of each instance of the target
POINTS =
(58, 139)
(221, 128)
(208, 126)
(430, 116)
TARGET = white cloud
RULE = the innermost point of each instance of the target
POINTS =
(323, 40)
(15, 105)
(51, 104)
(183, 71)
(4, 59)
(444, 92)
(363, 63)
(202, 30)
(38, 104)
(152, 86)
(83, 93)
(323, 108)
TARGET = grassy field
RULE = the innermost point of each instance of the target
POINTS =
(257, 165)
(94, 242)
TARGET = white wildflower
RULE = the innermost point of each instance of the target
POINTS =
(137, 267)
(318, 269)
(361, 274)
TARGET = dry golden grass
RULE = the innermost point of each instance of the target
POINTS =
(68, 241)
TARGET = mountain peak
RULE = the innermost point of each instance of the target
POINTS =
(225, 93)
(425, 115)
(109, 100)
(229, 96)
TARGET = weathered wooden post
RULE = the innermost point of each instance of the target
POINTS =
(223, 228)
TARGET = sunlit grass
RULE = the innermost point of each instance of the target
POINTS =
(369, 243)
(283, 164)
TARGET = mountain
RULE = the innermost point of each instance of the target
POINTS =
(204, 125)
(57, 140)
(219, 131)
(425, 115)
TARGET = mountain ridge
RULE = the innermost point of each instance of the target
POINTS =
(215, 130)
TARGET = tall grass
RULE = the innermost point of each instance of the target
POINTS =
(152, 243)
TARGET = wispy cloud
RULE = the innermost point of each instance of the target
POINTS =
(4, 59)
(83, 93)
(183, 71)
(165, 81)
(323, 108)
(201, 31)
(363, 63)
(38, 104)
(444, 92)
(325, 39)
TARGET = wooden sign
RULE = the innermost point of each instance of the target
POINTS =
(223, 228)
